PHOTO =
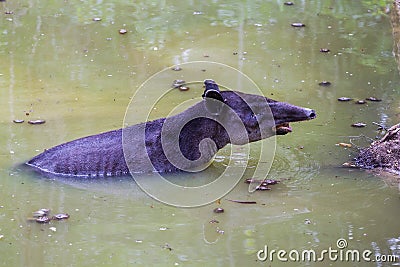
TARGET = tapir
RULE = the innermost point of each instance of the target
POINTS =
(183, 142)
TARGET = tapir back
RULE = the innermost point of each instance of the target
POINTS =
(96, 155)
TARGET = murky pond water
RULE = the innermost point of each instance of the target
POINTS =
(66, 62)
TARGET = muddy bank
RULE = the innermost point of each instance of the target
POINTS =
(383, 154)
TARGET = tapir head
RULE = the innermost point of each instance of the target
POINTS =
(261, 117)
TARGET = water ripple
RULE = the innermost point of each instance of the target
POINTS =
(295, 165)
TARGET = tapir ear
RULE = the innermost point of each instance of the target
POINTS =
(212, 90)
(213, 98)
(213, 94)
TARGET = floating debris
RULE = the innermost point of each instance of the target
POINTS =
(324, 50)
(219, 231)
(213, 221)
(176, 68)
(262, 185)
(344, 145)
(349, 165)
(218, 210)
(359, 125)
(265, 181)
(18, 121)
(263, 188)
(41, 213)
(198, 13)
(96, 19)
(53, 229)
(325, 83)
(8, 12)
(123, 31)
(43, 219)
(271, 181)
(298, 24)
(251, 180)
(242, 202)
(373, 99)
(344, 99)
(42, 216)
(178, 83)
(61, 216)
(183, 88)
(288, 3)
(307, 221)
(166, 246)
(36, 122)
(361, 102)
(380, 126)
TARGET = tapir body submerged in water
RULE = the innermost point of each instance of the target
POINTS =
(186, 141)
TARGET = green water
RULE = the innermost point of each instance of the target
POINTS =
(58, 64)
